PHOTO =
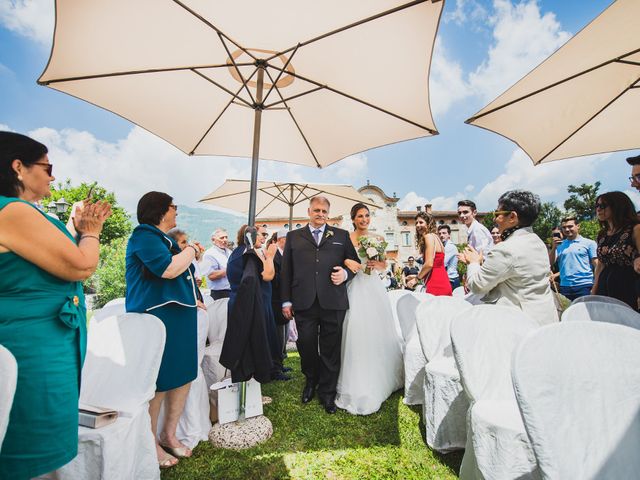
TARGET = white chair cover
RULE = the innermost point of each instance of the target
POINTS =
(599, 298)
(459, 292)
(194, 424)
(413, 358)
(445, 406)
(120, 372)
(394, 296)
(207, 299)
(484, 339)
(578, 389)
(115, 301)
(602, 312)
(211, 367)
(111, 309)
(8, 379)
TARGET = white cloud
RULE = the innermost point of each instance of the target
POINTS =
(142, 162)
(548, 180)
(446, 81)
(466, 10)
(33, 19)
(411, 200)
(523, 37)
(635, 197)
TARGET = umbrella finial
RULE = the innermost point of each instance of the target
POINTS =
(368, 182)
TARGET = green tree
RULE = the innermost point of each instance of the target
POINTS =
(582, 200)
(550, 216)
(108, 280)
(488, 220)
(116, 226)
(590, 229)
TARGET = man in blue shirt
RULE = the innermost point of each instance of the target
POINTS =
(450, 255)
(577, 258)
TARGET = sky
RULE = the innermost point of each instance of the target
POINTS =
(482, 48)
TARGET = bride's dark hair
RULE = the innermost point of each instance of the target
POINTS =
(354, 211)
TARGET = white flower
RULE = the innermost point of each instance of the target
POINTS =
(371, 252)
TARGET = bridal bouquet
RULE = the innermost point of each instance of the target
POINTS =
(372, 248)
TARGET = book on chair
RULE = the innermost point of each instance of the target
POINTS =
(96, 417)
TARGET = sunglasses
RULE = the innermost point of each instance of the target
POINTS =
(175, 207)
(501, 212)
(635, 178)
(47, 166)
(601, 205)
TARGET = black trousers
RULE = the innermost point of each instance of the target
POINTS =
(319, 344)
(218, 294)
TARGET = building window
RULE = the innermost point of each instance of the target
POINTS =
(441, 222)
(286, 225)
(391, 240)
(454, 222)
(406, 239)
(404, 224)
(264, 225)
(298, 225)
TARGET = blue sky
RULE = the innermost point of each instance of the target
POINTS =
(483, 47)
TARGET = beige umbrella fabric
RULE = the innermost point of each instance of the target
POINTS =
(284, 199)
(584, 99)
(348, 76)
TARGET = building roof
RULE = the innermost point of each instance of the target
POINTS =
(380, 192)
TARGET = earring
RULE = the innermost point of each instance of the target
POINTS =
(162, 220)
(20, 177)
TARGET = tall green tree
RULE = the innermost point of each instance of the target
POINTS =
(582, 200)
(550, 216)
(117, 226)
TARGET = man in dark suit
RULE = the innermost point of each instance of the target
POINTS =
(282, 324)
(313, 285)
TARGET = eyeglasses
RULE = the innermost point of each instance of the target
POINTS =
(635, 178)
(601, 205)
(501, 212)
(175, 207)
(48, 167)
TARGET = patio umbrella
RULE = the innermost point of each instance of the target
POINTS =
(317, 81)
(280, 199)
(583, 99)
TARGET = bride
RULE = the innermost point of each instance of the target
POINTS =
(371, 367)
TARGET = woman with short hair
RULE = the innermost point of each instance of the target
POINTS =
(160, 282)
(618, 247)
(516, 271)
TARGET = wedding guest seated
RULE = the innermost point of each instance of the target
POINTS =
(160, 281)
(42, 309)
(516, 271)
(618, 247)
(410, 274)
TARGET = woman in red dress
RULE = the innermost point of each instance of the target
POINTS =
(432, 250)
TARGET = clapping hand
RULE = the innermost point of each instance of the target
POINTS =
(90, 217)
(470, 255)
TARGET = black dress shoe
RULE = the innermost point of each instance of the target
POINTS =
(308, 393)
(280, 376)
(330, 408)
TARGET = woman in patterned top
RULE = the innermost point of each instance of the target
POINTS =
(618, 246)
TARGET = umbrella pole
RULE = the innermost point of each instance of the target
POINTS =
(290, 207)
(257, 122)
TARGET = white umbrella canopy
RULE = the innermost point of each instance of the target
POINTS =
(284, 199)
(348, 76)
(584, 99)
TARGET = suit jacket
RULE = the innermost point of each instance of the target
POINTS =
(516, 273)
(307, 267)
(276, 298)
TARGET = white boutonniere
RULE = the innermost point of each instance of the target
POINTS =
(328, 234)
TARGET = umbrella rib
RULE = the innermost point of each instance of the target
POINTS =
(583, 124)
(555, 84)
(363, 102)
(218, 117)
(235, 66)
(352, 25)
(216, 29)
(284, 67)
(133, 72)
(271, 105)
(221, 87)
(295, 121)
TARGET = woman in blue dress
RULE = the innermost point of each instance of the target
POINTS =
(42, 309)
(160, 281)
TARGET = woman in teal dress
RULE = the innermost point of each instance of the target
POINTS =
(160, 281)
(42, 310)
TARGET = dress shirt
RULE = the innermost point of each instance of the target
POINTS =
(479, 237)
(451, 260)
(216, 259)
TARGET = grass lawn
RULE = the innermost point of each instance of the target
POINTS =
(307, 443)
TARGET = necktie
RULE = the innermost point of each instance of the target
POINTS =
(316, 235)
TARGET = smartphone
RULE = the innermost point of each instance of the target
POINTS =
(557, 235)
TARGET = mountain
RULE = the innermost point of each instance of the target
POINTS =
(200, 223)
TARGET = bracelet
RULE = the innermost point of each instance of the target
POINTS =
(195, 249)
(86, 235)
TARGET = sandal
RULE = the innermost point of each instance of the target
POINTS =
(167, 462)
(180, 452)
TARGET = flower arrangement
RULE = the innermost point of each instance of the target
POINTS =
(372, 248)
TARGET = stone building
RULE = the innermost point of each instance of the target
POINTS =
(395, 225)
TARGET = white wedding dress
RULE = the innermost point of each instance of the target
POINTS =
(371, 367)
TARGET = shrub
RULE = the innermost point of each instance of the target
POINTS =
(109, 277)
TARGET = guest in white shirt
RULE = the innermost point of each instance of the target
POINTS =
(215, 265)
(516, 271)
(478, 236)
